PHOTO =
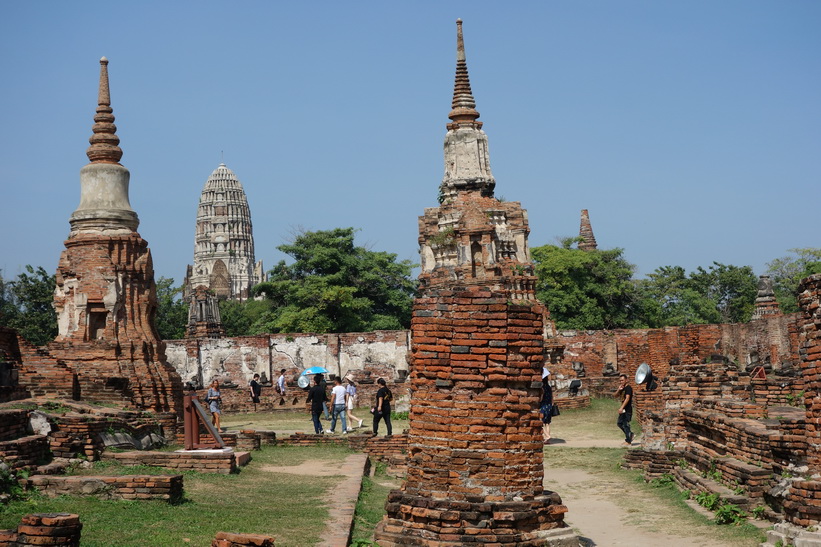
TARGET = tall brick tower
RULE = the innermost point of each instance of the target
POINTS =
(475, 468)
(588, 240)
(105, 297)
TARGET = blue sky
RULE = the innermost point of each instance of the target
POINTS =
(690, 130)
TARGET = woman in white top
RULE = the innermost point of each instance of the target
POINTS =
(352, 401)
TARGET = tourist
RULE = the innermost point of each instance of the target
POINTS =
(281, 386)
(546, 405)
(256, 390)
(324, 385)
(352, 401)
(625, 392)
(214, 400)
(382, 409)
(317, 398)
(339, 399)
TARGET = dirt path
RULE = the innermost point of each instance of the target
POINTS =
(600, 522)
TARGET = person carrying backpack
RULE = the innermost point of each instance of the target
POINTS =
(382, 408)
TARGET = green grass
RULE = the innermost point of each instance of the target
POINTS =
(371, 505)
(289, 507)
(598, 421)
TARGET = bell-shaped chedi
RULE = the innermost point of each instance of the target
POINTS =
(475, 452)
(105, 296)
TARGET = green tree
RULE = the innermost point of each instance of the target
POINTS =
(335, 286)
(244, 318)
(720, 294)
(27, 305)
(585, 289)
(172, 311)
(788, 271)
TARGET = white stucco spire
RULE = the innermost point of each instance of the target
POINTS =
(467, 163)
(104, 204)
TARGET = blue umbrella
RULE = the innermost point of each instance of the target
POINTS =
(314, 370)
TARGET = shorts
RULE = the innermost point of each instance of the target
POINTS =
(254, 399)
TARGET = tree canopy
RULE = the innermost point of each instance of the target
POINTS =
(720, 294)
(585, 289)
(26, 304)
(172, 311)
(335, 286)
(788, 271)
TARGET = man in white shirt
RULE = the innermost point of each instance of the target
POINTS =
(339, 400)
(281, 384)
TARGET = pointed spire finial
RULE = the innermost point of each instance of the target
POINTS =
(104, 142)
(464, 105)
(588, 240)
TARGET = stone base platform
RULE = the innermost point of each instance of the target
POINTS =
(422, 521)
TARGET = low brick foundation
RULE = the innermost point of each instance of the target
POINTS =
(212, 462)
(25, 452)
(126, 487)
(54, 529)
(390, 450)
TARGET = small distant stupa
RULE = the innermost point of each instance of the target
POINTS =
(588, 240)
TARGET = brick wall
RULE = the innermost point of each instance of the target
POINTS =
(363, 356)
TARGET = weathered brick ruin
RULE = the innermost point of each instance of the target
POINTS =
(107, 349)
(736, 410)
(475, 467)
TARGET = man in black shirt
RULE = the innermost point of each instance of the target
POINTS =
(317, 397)
(626, 409)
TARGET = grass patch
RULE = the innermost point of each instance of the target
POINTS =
(370, 507)
(256, 501)
(598, 421)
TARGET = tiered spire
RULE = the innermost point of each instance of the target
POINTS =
(464, 105)
(104, 141)
(588, 240)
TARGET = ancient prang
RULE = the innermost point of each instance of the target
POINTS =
(475, 454)
(105, 296)
(588, 240)
(224, 242)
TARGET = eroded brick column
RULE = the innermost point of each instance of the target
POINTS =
(475, 467)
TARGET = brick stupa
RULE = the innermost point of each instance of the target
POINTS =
(475, 465)
(105, 297)
(587, 241)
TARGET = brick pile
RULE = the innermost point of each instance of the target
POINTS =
(25, 452)
(79, 435)
(124, 487)
(227, 539)
(55, 529)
